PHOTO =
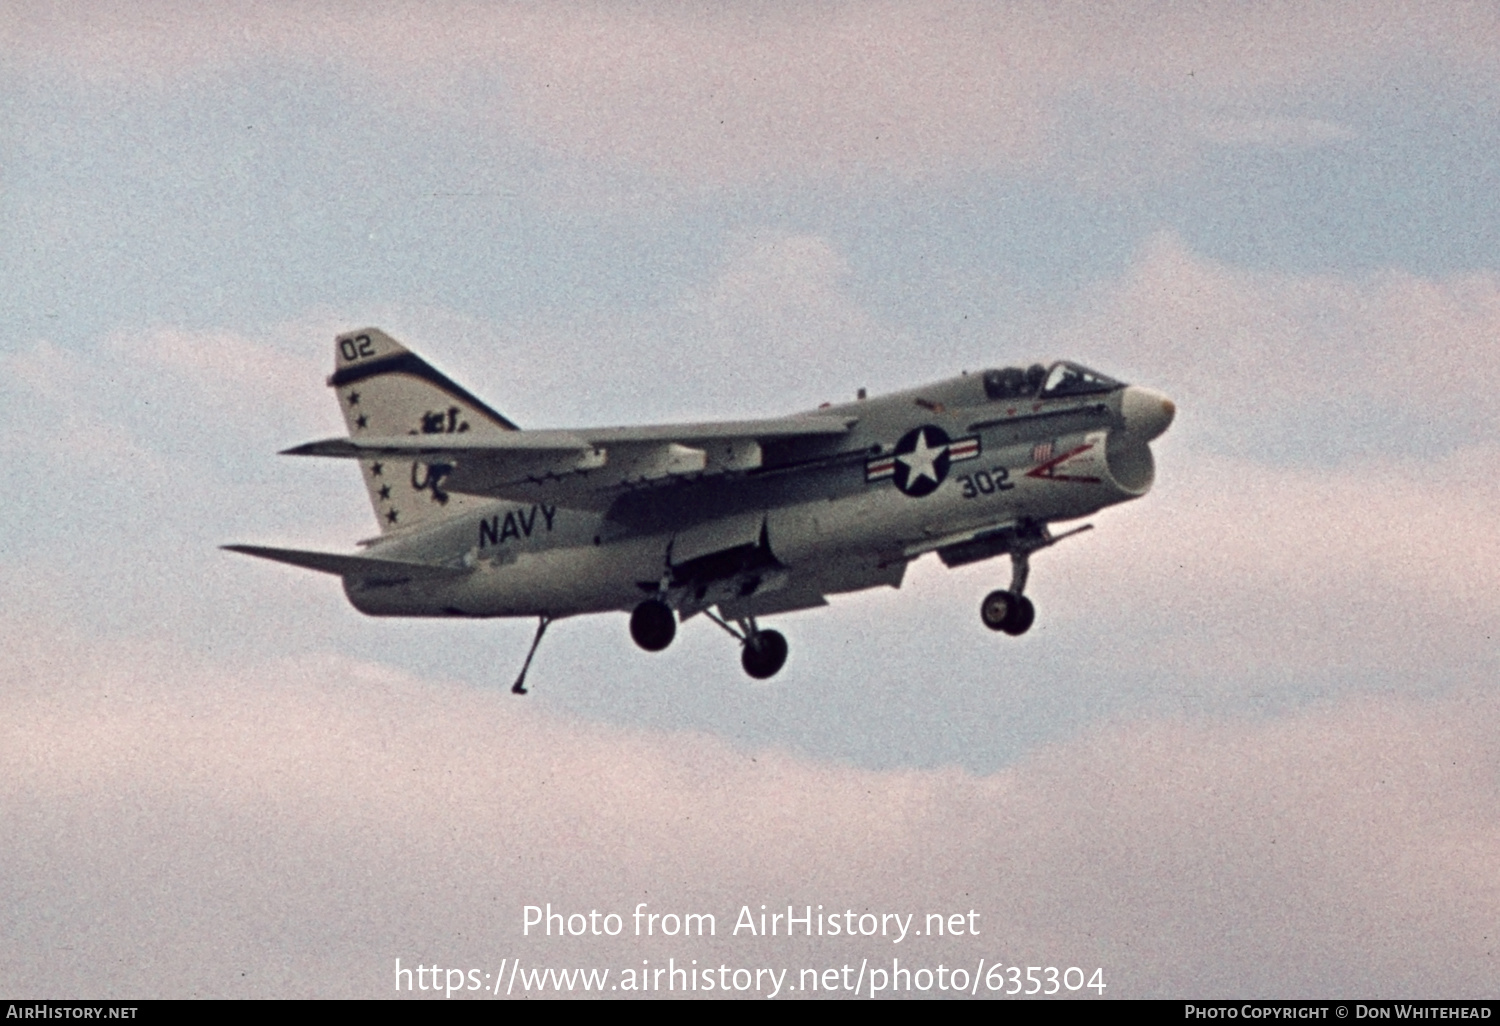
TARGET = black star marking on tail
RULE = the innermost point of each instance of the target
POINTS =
(390, 516)
(385, 491)
(376, 469)
(361, 420)
(353, 398)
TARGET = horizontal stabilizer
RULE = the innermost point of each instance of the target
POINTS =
(349, 566)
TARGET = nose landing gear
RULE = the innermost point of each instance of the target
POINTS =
(1006, 611)
(1011, 611)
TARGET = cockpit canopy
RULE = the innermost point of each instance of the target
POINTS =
(1061, 379)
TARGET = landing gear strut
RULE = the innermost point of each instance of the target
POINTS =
(763, 652)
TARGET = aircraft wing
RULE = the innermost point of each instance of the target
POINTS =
(585, 469)
(350, 566)
(434, 446)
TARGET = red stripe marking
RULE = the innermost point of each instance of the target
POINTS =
(1046, 470)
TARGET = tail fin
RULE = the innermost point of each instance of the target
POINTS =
(385, 391)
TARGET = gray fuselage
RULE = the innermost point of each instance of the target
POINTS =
(819, 516)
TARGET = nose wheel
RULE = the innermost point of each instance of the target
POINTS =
(1006, 611)
(1010, 611)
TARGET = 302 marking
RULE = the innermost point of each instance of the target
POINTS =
(986, 482)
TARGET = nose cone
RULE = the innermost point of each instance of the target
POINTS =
(1147, 412)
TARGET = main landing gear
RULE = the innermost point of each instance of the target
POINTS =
(762, 652)
(653, 625)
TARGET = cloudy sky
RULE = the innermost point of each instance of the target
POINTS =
(1249, 747)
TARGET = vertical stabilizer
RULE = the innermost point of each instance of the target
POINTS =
(386, 391)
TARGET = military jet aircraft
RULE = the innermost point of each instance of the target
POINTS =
(736, 520)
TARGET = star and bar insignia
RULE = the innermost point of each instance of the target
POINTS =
(920, 460)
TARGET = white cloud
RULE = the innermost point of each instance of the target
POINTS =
(782, 297)
(1230, 572)
(772, 326)
(1268, 343)
(1276, 132)
(234, 373)
(144, 430)
(55, 411)
(1269, 561)
(748, 92)
(177, 828)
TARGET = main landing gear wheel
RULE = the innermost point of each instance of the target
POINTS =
(652, 625)
(764, 654)
(1006, 611)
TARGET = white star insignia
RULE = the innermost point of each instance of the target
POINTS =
(920, 461)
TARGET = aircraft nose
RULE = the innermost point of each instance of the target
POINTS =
(1147, 412)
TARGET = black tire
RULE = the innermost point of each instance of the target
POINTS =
(996, 609)
(652, 625)
(1008, 612)
(764, 654)
(1022, 616)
